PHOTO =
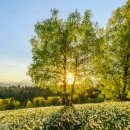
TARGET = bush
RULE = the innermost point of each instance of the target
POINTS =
(76, 98)
(95, 100)
(38, 101)
(29, 104)
(128, 95)
(9, 104)
(53, 101)
(1, 104)
(17, 104)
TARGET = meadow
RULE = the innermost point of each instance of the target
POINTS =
(100, 116)
(79, 70)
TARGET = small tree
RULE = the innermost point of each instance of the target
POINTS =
(17, 104)
(39, 101)
(29, 104)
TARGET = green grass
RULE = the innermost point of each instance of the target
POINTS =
(102, 116)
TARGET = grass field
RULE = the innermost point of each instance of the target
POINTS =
(103, 116)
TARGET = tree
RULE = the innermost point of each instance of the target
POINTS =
(115, 60)
(59, 47)
(29, 104)
(83, 45)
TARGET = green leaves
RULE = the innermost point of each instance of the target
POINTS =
(115, 60)
(76, 45)
(61, 46)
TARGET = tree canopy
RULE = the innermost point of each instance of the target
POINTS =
(61, 47)
(115, 51)
(76, 48)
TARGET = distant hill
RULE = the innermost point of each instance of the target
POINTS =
(21, 83)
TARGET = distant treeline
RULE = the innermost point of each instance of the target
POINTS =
(25, 93)
(15, 97)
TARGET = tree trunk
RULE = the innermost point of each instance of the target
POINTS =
(65, 96)
(75, 76)
(126, 68)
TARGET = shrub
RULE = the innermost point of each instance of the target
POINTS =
(1, 104)
(17, 104)
(38, 101)
(76, 98)
(53, 101)
(9, 104)
(95, 100)
(128, 95)
(29, 104)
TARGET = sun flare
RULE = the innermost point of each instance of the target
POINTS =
(70, 78)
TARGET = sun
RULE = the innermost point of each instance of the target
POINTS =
(70, 78)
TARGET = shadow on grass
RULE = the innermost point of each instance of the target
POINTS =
(99, 117)
(67, 118)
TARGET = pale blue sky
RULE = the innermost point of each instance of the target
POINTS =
(17, 20)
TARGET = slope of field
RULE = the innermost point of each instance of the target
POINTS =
(108, 116)
(25, 119)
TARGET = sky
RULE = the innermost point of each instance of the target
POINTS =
(17, 20)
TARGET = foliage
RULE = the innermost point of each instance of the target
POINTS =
(17, 104)
(95, 56)
(1, 104)
(62, 46)
(53, 101)
(29, 104)
(22, 94)
(38, 102)
(6, 104)
(128, 96)
(114, 55)
(38, 98)
(111, 116)
(9, 104)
